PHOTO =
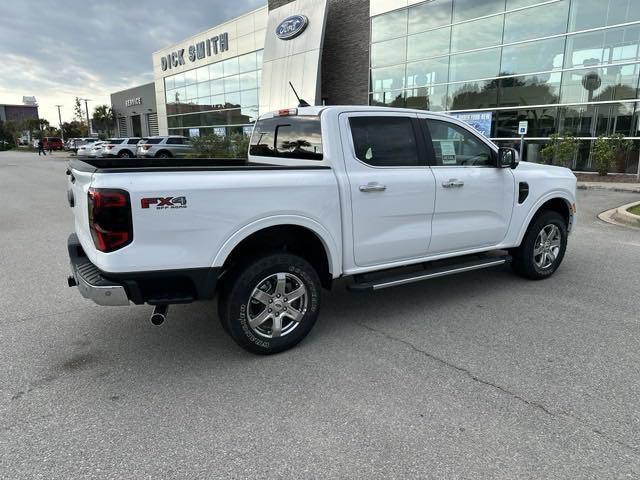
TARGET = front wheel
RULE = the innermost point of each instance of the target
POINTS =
(543, 247)
(270, 304)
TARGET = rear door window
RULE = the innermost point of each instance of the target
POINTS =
(385, 141)
(174, 141)
(154, 141)
(288, 137)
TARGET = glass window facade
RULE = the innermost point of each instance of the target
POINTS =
(219, 98)
(563, 65)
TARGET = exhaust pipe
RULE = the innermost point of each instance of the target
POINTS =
(159, 314)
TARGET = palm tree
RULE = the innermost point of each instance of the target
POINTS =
(104, 119)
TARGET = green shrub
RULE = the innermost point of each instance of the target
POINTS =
(603, 154)
(219, 146)
(560, 150)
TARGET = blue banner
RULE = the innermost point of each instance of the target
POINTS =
(481, 121)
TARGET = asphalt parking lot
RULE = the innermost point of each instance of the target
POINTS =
(483, 375)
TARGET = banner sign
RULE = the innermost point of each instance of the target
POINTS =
(481, 121)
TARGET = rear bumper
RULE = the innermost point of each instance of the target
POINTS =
(154, 287)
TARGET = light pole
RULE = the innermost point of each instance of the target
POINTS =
(86, 107)
(60, 122)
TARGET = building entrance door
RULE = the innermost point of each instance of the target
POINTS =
(136, 125)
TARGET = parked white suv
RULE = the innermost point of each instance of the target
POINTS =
(121, 147)
(383, 196)
(164, 147)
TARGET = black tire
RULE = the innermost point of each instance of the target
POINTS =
(525, 261)
(125, 154)
(236, 307)
(163, 154)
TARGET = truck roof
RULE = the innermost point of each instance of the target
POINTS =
(317, 110)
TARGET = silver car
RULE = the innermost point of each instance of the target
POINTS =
(87, 143)
(96, 148)
(164, 147)
(121, 147)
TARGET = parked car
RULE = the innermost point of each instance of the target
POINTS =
(383, 196)
(82, 146)
(96, 149)
(164, 147)
(121, 147)
(53, 143)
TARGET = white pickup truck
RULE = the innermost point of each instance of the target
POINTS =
(383, 196)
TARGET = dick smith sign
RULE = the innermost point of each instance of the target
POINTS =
(207, 48)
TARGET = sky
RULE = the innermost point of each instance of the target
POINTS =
(58, 50)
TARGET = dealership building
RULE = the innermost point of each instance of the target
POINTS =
(135, 111)
(561, 65)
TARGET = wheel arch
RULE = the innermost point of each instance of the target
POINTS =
(558, 202)
(299, 235)
(164, 150)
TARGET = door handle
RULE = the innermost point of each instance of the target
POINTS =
(453, 183)
(373, 187)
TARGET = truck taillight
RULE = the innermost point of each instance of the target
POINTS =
(110, 218)
(146, 146)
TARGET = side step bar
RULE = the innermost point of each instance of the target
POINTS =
(429, 272)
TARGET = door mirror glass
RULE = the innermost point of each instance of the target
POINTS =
(508, 158)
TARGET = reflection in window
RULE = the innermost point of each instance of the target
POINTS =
(538, 56)
(456, 146)
(467, 9)
(389, 25)
(586, 14)
(389, 53)
(216, 70)
(469, 66)
(427, 98)
(190, 77)
(387, 99)
(247, 63)
(231, 66)
(385, 141)
(288, 137)
(485, 32)
(428, 72)
(429, 15)
(618, 82)
(602, 47)
(550, 19)
(543, 89)
(429, 44)
(389, 78)
(542, 122)
(473, 95)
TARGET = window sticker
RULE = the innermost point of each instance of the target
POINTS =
(448, 153)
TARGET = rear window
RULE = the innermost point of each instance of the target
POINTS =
(154, 141)
(115, 141)
(288, 137)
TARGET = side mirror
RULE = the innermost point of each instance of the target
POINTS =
(508, 158)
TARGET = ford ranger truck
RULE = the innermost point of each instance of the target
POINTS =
(383, 196)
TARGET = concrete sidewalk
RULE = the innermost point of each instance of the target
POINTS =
(611, 186)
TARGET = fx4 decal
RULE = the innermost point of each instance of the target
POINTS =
(164, 203)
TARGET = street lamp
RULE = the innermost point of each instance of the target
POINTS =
(86, 107)
(60, 122)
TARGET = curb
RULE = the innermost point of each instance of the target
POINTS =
(620, 216)
(630, 189)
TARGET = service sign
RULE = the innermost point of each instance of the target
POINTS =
(291, 27)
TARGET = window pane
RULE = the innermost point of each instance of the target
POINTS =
(513, 4)
(598, 48)
(203, 89)
(179, 80)
(259, 55)
(428, 15)
(231, 66)
(387, 99)
(389, 25)
(190, 77)
(542, 123)
(248, 81)
(247, 63)
(539, 56)
(384, 141)
(600, 84)
(287, 137)
(467, 66)
(467, 9)
(390, 78)
(216, 70)
(217, 87)
(587, 14)
(466, 96)
(192, 92)
(169, 83)
(548, 20)
(232, 99)
(202, 74)
(428, 72)
(217, 101)
(427, 98)
(530, 90)
(485, 32)
(388, 53)
(429, 44)
(231, 84)
(456, 146)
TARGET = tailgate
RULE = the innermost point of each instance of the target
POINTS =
(78, 185)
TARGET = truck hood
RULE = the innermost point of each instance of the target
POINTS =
(538, 169)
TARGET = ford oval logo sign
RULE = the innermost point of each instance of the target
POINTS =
(291, 27)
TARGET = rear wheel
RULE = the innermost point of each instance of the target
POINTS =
(125, 154)
(163, 154)
(270, 304)
(543, 247)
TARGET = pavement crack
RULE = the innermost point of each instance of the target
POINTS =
(475, 378)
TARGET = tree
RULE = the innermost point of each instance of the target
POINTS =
(74, 129)
(604, 153)
(35, 127)
(8, 132)
(78, 113)
(561, 149)
(104, 119)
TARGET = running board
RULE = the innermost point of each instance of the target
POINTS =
(429, 272)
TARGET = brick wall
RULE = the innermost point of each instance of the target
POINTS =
(345, 58)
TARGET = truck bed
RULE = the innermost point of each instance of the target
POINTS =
(128, 165)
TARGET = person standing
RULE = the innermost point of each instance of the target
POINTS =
(41, 148)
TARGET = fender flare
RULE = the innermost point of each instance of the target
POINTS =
(329, 243)
(562, 194)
